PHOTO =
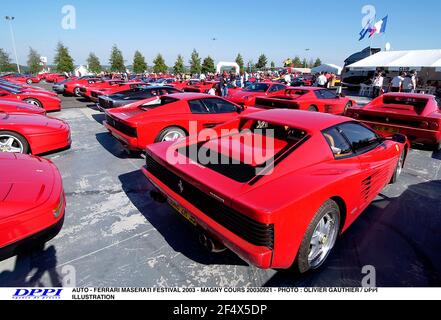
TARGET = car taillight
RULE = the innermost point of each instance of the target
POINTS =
(424, 125)
(434, 126)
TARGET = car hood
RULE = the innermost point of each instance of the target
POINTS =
(32, 120)
(26, 183)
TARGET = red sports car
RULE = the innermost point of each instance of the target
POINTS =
(32, 133)
(201, 87)
(247, 96)
(54, 77)
(280, 187)
(307, 98)
(168, 118)
(25, 88)
(417, 116)
(86, 90)
(41, 100)
(29, 79)
(7, 106)
(32, 202)
(74, 87)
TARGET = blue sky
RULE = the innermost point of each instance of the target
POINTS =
(278, 28)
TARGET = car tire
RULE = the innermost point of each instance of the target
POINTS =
(29, 81)
(329, 212)
(34, 102)
(77, 92)
(399, 168)
(18, 142)
(170, 134)
(313, 109)
(437, 146)
(347, 106)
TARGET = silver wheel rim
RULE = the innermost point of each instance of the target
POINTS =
(33, 102)
(77, 91)
(323, 239)
(172, 136)
(10, 144)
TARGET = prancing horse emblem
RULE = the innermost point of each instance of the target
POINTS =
(181, 186)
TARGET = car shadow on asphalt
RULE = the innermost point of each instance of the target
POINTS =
(179, 234)
(399, 237)
(30, 267)
(437, 155)
(100, 117)
(114, 147)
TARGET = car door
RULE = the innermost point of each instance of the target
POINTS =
(211, 112)
(377, 159)
(331, 102)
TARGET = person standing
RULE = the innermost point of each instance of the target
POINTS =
(224, 85)
(397, 83)
(321, 80)
(378, 84)
(409, 83)
(287, 79)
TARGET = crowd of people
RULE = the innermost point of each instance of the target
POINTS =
(403, 82)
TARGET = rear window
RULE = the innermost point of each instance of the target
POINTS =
(159, 102)
(418, 104)
(257, 148)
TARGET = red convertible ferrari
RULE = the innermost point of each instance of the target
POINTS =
(168, 118)
(281, 187)
(307, 98)
(247, 96)
(417, 116)
(32, 133)
(32, 202)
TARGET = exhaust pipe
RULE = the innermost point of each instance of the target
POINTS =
(158, 196)
(211, 245)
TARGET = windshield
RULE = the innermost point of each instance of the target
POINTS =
(257, 87)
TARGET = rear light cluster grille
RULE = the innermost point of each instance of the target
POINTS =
(105, 104)
(276, 103)
(389, 120)
(121, 127)
(254, 232)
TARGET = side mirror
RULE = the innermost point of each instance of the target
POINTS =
(240, 109)
(400, 138)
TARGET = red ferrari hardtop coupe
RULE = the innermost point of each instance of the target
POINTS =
(32, 202)
(307, 98)
(32, 133)
(280, 188)
(168, 118)
(418, 116)
(41, 100)
(248, 95)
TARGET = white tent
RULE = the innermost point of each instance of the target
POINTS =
(328, 67)
(414, 59)
(81, 71)
(224, 64)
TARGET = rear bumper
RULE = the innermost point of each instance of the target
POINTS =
(254, 255)
(130, 143)
(415, 135)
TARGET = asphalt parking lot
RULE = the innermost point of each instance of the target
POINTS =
(115, 235)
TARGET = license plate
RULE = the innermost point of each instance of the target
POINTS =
(183, 212)
(386, 129)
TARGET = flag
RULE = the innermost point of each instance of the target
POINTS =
(379, 27)
(367, 29)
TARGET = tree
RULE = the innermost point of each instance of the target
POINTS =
(239, 61)
(305, 63)
(297, 62)
(116, 60)
(94, 64)
(179, 67)
(5, 61)
(195, 63)
(208, 65)
(317, 62)
(63, 61)
(34, 61)
(159, 65)
(139, 64)
(261, 62)
(273, 65)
